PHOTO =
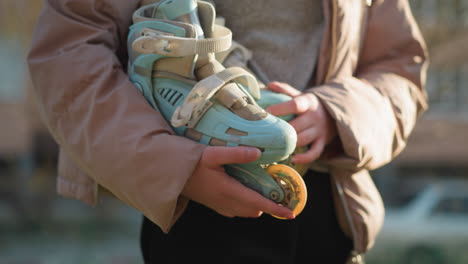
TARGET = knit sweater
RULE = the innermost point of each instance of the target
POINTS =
(284, 36)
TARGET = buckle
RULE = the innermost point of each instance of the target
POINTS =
(151, 42)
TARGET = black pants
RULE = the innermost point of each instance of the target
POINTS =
(203, 236)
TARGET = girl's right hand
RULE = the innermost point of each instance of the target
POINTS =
(212, 187)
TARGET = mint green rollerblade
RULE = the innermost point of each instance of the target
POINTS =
(171, 61)
(268, 98)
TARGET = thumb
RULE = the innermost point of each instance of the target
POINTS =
(217, 156)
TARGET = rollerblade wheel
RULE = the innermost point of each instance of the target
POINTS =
(295, 191)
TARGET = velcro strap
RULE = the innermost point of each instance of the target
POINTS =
(172, 46)
(198, 100)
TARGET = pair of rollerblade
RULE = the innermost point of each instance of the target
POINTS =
(172, 46)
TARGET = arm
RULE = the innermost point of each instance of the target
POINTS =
(97, 116)
(363, 121)
(109, 130)
(376, 110)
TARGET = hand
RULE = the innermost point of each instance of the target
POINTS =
(313, 124)
(212, 187)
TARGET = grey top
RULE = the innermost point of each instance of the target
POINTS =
(283, 35)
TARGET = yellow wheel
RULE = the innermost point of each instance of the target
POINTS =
(295, 191)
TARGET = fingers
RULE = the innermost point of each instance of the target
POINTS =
(284, 88)
(312, 154)
(237, 201)
(253, 205)
(304, 121)
(211, 186)
(277, 210)
(216, 156)
(297, 105)
(240, 201)
(307, 136)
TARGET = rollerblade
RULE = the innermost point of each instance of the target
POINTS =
(239, 56)
(172, 46)
(268, 98)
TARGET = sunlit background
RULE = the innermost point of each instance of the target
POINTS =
(425, 189)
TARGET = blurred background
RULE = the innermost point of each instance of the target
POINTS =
(425, 189)
(37, 226)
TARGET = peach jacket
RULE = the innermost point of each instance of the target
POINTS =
(370, 76)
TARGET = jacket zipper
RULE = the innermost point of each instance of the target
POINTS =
(333, 40)
(334, 36)
(355, 257)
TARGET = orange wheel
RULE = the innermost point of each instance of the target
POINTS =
(295, 191)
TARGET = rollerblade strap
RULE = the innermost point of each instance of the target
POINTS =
(198, 100)
(172, 46)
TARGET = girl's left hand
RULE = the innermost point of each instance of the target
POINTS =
(313, 124)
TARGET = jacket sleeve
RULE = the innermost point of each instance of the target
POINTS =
(95, 113)
(376, 109)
